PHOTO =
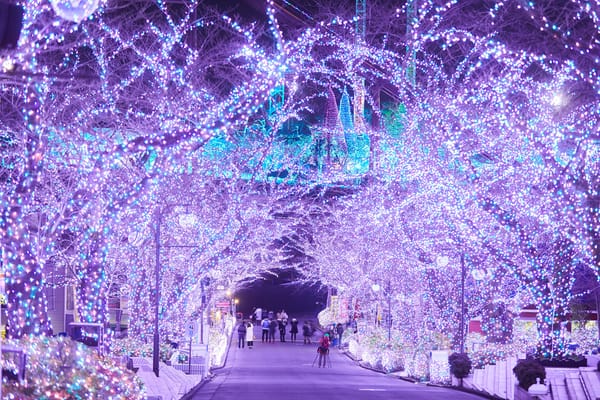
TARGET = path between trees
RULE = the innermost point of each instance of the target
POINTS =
(289, 371)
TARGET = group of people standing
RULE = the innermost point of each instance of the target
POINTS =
(270, 325)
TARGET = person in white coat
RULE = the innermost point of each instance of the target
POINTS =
(250, 334)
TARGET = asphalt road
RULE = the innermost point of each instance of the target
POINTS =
(285, 371)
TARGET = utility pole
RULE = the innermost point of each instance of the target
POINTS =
(361, 19)
(462, 303)
(156, 348)
(389, 299)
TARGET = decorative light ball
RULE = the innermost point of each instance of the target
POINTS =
(187, 220)
(125, 290)
(442, 261)
(478, 274)
(74, 10)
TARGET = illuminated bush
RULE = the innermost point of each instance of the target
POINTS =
(59, 368)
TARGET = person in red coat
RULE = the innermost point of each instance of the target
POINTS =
(323, 349)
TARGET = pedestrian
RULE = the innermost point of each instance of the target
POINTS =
(293, 330)
(282, 325)
(241, 334)
(306, 332)
(250, 334)
(265, 329)
(323, 349)
(272, 328)
(340, 331)
(354, 326)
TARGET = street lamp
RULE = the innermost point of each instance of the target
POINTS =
(187, 221)
(462, 303)
(388, 293)
(228, 294)
(156, 346)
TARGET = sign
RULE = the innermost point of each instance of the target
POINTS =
(344, 304)
(334, 307)
(361, 326)
(191, 329)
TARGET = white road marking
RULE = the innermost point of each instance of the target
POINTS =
(372, 390)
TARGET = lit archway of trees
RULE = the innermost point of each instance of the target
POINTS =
(489, 152)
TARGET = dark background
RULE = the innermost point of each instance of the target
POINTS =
(274, 293)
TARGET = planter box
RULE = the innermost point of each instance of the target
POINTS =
(564, 363)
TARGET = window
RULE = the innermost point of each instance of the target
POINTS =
(50, 298)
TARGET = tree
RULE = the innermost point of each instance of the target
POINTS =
(528, 371)
(65, 97)
(460, 365)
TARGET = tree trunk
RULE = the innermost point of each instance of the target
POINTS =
(27, 308)
(140, 322)
(92, 296)
(550, 343)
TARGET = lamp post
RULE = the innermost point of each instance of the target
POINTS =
(203, 283)
(462, 303)
(388, 293)
(228, 293)
(389, 298)
(156, 346)
(156, 336)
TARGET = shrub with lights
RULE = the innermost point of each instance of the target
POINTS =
(136, 348)
(219, 336)
(59, 368)
(585, 337)
(375, 350)
(489, 353)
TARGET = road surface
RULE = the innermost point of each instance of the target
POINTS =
(288, 371)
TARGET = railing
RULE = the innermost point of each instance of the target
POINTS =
(19, 359)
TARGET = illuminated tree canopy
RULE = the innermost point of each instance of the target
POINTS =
(449, 130)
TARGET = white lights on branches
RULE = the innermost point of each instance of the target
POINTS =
(442, 261)
(74, 10)
(187, 220)
(559, 100)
